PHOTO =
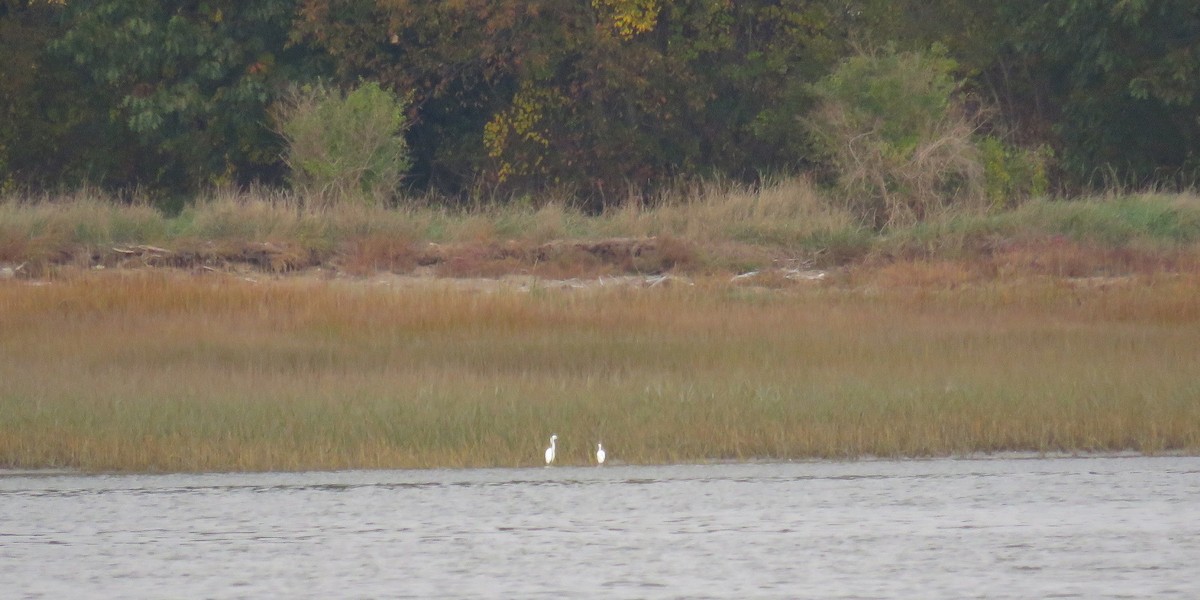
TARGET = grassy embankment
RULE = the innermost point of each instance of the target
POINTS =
(971, 342)
(709, 230)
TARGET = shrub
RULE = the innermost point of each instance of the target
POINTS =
(899, 143)
(1013, 174)
(345, 147)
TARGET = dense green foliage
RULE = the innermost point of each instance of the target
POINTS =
(185, 85)
(597, 97)
(1112, 86)
(891, 129)
(1127, 75)
(25, 132)
(345, 147)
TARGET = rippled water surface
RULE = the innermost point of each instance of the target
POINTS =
(990, 528)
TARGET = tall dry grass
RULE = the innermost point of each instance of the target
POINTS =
(43, 229)
(146, 371)
(720, 227)
(785, 212)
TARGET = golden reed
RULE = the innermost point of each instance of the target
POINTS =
(168, 371)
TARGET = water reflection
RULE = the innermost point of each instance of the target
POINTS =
(996, 528)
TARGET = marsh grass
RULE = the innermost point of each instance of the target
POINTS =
(711, 228)
(43, 229)
(1145, 220)
(1056, 326)
(166, 371)
(788, 215)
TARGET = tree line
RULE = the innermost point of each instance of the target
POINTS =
(597, 97)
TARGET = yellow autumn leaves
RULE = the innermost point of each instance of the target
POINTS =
(629, 17)
(521, 121)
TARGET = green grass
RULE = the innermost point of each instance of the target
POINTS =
(1150, 220)
(147, 372)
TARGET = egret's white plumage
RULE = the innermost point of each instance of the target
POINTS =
(600, 454)
(550, 450)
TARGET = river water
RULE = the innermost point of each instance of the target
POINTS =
(1111, 527)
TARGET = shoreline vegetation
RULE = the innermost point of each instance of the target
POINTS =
(706, 228)
(251, 333)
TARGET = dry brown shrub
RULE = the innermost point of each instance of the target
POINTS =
(893, 189)
(666, 253)
(567, 261)
(485, 259)
(380, 252)
(897, 136)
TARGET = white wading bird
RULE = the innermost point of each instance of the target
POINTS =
(550, 450)
(600, 454)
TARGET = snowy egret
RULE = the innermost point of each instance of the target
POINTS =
(550, 450)
(599, 453)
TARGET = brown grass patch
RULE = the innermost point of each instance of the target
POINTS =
(1059, 256)
(160, 370)
(923, 274)
(379, 252)
(564, 258)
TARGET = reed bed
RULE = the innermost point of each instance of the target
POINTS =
(712, 228)
(165, 371)
(786, 211)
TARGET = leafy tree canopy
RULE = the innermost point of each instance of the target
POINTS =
(594, 96)
(599, 95)
(187, 83)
